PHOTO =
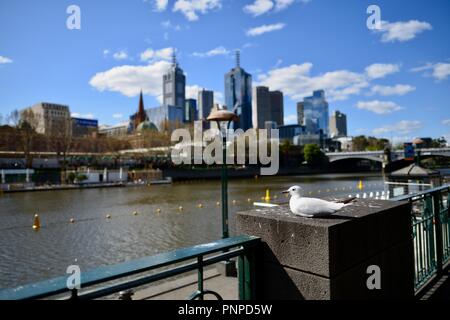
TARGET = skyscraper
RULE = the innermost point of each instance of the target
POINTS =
(276, 107)
(205, 103)
(338, 124)
(190, 110)
(266, 106)
(238, 91)
(300, 113)
(174, 84)
(316, 113)
(260, 107)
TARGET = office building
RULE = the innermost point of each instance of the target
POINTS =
(288, 132)
(260, 107)
(190, 111)
(276, 107)
(338, 124)
(205, 103)
(84, 127)
(315, 112)
(166, 117)
(238, 92)
(120, 129)
(300, 113)
(49, 118)
(174, 86)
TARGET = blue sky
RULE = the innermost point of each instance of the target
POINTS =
(393, 82)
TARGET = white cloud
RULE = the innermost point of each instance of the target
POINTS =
(162, 54)
(283, 4)
(117, 116)
(296, 82)
(129, 80)
(446, 122)
(192, 93)
(399, 90)
(378, 107)
(169, 25)
(219, 51)
(401, 127)
(402, 30)
(380, 70)
(259, 7)
(161, 5)
(257, 31)
(440, 71)
(106, 52)
(290, 119)
(120, 55)
(84, 116)
(191, 8)
(4, 60)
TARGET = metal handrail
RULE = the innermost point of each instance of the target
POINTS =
(240, 246)
(430, 233)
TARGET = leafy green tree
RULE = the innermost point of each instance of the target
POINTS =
(314, 157)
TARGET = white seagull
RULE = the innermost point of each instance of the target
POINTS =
(312, 207)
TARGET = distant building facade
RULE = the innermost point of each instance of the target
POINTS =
(238, 91)
(301, 113)
(205, 105)
(316, 116)
(166, 117)
(338, 124)
(260, 107)
(120, 129)
(190, 111)
(288, 132)
(276, 107)
(50, 117)
(84, 127)
(174, 86)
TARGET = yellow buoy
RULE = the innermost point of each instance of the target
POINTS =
(36, 223)
(267, 197)
(360, 185)
(158, 210)
(200, 205)
(180, 208)
(217, 203)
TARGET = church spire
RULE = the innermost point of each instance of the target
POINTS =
(141, 104)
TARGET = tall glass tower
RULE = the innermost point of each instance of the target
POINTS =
(315, 113)
(174, 84)
(238, 90)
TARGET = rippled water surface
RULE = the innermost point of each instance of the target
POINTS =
(28, 256)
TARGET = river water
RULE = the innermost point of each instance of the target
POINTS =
(94, 240)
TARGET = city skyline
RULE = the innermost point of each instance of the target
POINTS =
(393, 82)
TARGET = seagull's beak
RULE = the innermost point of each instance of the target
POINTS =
(285, 191)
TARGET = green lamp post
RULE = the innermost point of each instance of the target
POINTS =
(224, 118)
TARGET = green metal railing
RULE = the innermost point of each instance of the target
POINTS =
(107, 280)
(430, 231)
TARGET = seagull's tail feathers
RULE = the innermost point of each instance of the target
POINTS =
(346, 201)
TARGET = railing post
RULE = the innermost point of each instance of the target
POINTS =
(438, 228)
(247, 275)
(200, 277)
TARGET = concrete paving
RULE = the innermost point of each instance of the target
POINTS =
(182, 288)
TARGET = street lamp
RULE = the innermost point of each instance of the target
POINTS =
(224, 117)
